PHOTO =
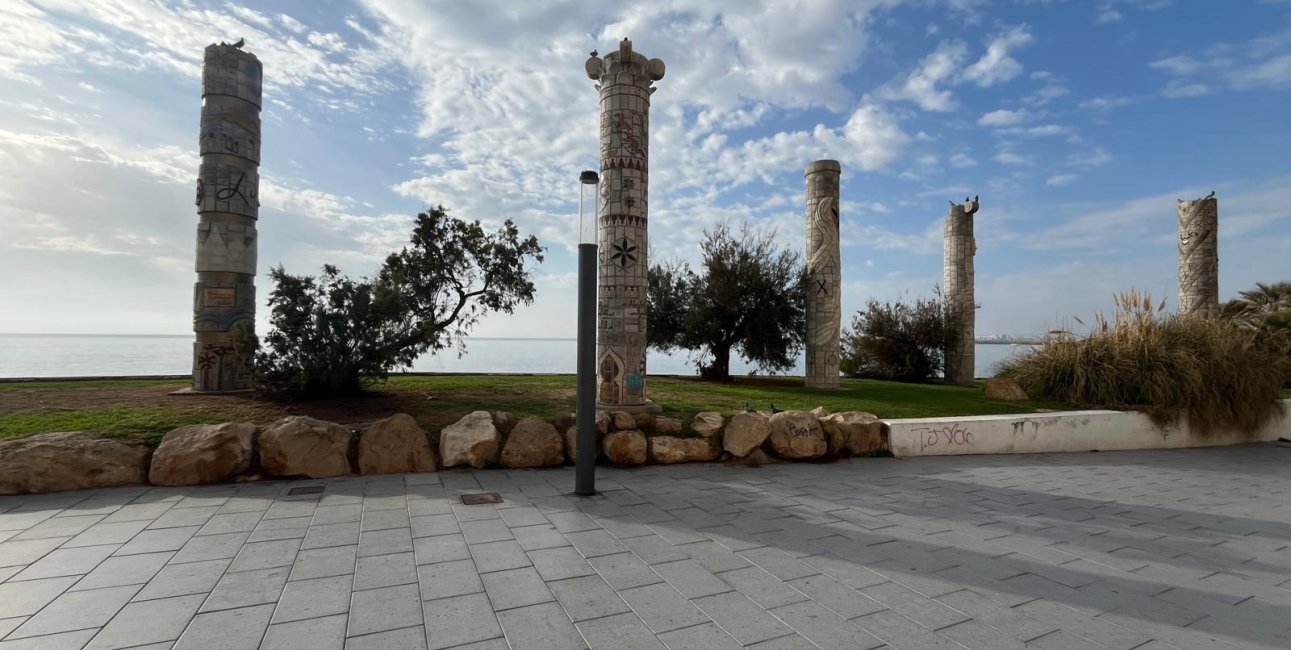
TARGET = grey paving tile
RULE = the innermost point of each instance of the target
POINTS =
(384, 519)
(232, 628)
(593, 543)
(109, 532)
(27, 598)
(571, 521)
(237, 522)
(445, 579)
(275, 529)
(152, 621)
(385, 570)
(488, 530)
(210, 547)
(156, 541)
(522, 516)
(540, 536)
(540, 626)
(691, 579)
(791, 642)
(177, 517)
(714, 557)
(499, 556)
(324, 535)
(314, 598)
(8, 625)
(327, 633)
(515, 588)
(461, 619)
(124, 570)
(622, 632)
(341, 514)
(825, 628)
(387, 608)
(324, 562)
(707, 635)
(587, 597)
(778, 563)
(925, 611)
(431, 525)
(975, 635)
(654, 549)
(624, 571)
(560, 563)
(662, 608)
(66, 562)
(840, 598)
(246, 588)
(183, 580)
(59, 527)
(22, 552)
(288, 509)
(408, 638)
(61, 641)
(76, 610)
(440, 548)
(384, 542)
(763, 588)
(265, 555)
(742, 618)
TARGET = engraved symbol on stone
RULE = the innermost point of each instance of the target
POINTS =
(821, 290)
(229, 192)
(624, 252)
(630, 129)
(201, 191)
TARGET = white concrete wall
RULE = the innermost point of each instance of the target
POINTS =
(1062, 431)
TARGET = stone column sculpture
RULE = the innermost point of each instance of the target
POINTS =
(961, 307)
(625, 79)
(1199, 255)
(824, 300)
(227, 206)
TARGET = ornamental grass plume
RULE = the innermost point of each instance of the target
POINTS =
(1211, 371)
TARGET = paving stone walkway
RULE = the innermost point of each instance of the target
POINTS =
(1149, 550)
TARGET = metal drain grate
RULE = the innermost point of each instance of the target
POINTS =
(308, 489)
(481, 499)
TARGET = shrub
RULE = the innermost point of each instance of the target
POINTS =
(1265, 310)
(331, 335)
(898, 340)
(1211, 371)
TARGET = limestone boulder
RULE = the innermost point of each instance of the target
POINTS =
(472, 440)
(623, 421)
(203, 453)
(645, 421)
(300, 446)
(861, 433)
(707, 424)
(745, 433)
(69, 460)
(604, 422)
(820, 412)
(1004, 389)
(504, 421)
(668, 426)
(395, 445)
(671, 449)
(796, 435)
(533, 442)
(626, 448)
(571, 444)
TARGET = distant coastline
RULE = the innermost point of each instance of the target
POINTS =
(1004, 340)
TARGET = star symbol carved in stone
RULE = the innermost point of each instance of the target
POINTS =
(624, 252)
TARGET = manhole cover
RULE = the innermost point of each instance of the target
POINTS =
(480, 499)
(308, 489)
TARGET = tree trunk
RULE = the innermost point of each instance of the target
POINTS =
(720, 368)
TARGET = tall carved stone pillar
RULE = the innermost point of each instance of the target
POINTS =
(625, 79)
(959, 248)
(824, 300)
(1199, 256)
(228, 185)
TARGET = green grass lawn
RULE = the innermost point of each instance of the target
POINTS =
(142, 410)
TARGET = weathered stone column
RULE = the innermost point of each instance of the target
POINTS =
(625, 79)
(1199, 255)
(961, 305)
(824, 299)
(227, 206)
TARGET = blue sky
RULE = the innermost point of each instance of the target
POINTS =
(1079, 124)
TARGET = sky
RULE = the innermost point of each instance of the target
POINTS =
(1079, 123)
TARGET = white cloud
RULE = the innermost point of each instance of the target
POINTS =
(1002, 117)
(1105, 103)
(1107, 16)
(1013, 158)
(962, 160)
(921, 86)
(1262, 63)
(876, 138)
(1058, 180)
(996, 66)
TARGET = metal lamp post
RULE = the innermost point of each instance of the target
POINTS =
(585, 409)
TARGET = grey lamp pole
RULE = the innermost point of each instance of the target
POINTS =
(585, 409)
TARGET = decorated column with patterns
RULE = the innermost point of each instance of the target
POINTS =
(228, 185)
(824, 300)
(625, 81)
(960, 301)
(1199, 256)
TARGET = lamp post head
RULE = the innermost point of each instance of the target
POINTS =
(589, 177)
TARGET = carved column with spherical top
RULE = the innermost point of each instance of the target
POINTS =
(1199, 256)
(959, 247)
(228, 205)
(824, 300)
(625, 81)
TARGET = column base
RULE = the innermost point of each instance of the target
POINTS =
(824, 384)
(648, 407)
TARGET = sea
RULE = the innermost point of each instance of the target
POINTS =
(98, 355)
